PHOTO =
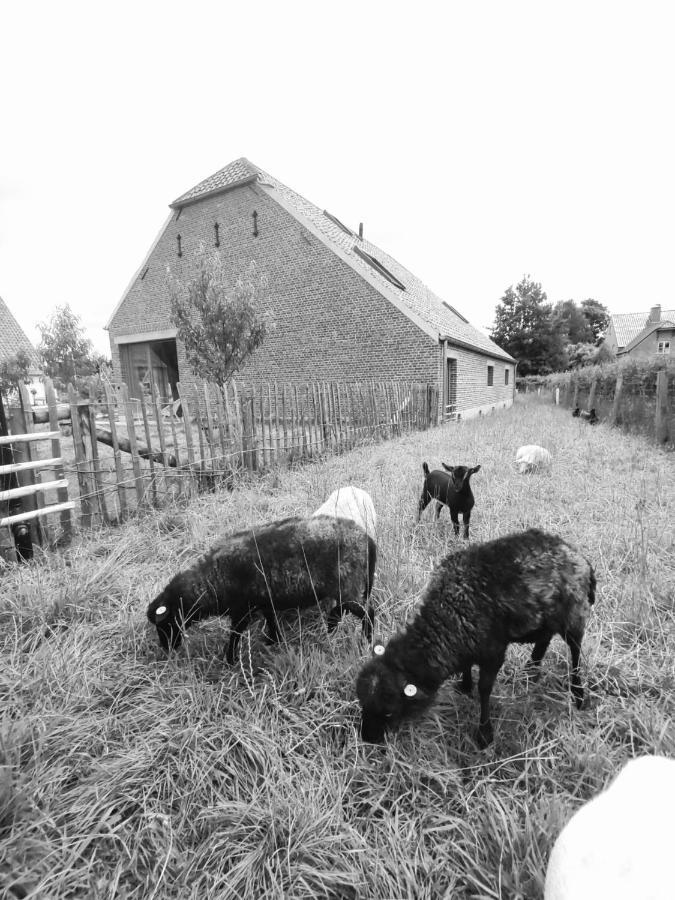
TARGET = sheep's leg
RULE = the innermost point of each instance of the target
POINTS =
(422, 505)
(466, 518)
(367, 617)
(534, 663)
(439, 507)
(272, 636)
(486, 679)
(238, 627)
(455, 521)
(574, 643)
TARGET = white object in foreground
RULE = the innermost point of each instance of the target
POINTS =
(619, 845)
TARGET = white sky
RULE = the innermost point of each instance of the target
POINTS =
(476, 141)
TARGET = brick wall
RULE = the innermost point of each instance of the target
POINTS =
(474, 395)
(330, 324)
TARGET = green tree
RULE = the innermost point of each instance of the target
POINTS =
(573, 324)
(525, 328)
(66, 352)
(219, 323)
(12, 370)
(598, 318)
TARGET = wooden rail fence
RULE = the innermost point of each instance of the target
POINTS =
(129, 453)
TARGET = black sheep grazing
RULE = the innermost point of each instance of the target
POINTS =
(589, 416)
(523, 588)
(290, 564)
(452, 488)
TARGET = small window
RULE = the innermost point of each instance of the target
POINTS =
(663, 347)
(491, 375)
(506, 376)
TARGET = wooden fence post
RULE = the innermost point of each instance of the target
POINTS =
(80, 460)
(117, 455)
(133, 449)
(661, 418)
(591, 396)
(618, 390)
(575, 397)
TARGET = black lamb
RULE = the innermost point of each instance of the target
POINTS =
(293, 563)
(452, 488)
(522, 588)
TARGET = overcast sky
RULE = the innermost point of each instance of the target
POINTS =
(475, 141)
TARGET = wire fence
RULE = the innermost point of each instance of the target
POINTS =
(637, 396)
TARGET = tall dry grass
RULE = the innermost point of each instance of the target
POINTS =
(126, 774)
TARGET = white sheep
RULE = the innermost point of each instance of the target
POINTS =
(619, 845)
(351, 503)
(532, 457)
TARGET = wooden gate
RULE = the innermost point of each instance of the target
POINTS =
(26, 469)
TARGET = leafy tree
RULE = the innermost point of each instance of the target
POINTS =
(219, 323)
(525, 328)
(573, 324)
(66, 352)
(12, 370)
(597, 316)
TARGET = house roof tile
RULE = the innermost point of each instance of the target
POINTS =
(13, 338)
(627, 326)
(410, 291)
(649, 329)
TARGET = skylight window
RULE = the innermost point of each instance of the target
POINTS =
(377, 265)
(453, 310)
(336, 221)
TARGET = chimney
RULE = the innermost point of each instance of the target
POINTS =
(654, 314)
(361, 230)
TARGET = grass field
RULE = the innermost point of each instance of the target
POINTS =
(124, 774)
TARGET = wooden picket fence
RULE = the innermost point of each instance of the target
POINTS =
(131, 453)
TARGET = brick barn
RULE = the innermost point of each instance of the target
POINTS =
(344, 310)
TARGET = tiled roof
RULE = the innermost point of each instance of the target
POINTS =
(414, 295)
(627, 326)
(13, 338)
(653, 326)
(238, 172)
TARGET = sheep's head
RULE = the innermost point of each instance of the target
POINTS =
(386, 696)
(166, 612)
(460, 475)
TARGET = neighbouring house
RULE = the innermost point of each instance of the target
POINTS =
(642, 334)
(344, 310)
(13, 338)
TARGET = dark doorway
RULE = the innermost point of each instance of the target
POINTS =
(147, 361)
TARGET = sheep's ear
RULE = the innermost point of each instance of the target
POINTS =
(474, 470)
(447, 467)
(161, 613)
(410, 690)
(378, 650)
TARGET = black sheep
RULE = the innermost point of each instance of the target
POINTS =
(523, 588)
(293, 563)
(452, 488)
